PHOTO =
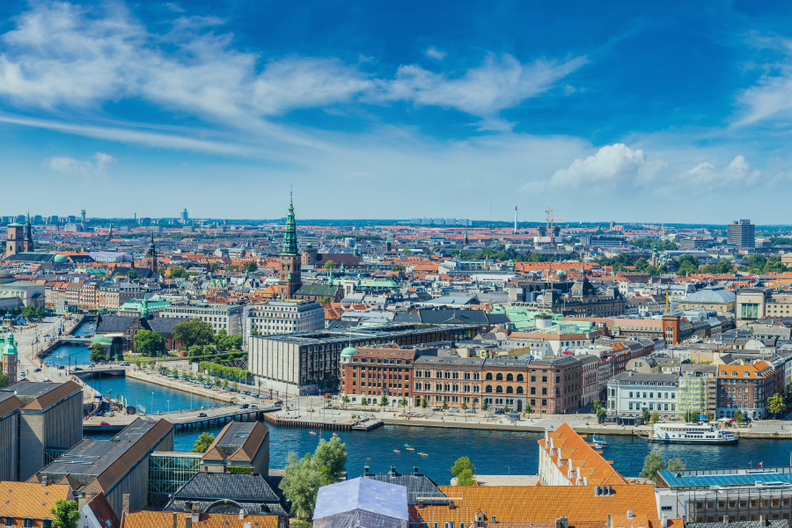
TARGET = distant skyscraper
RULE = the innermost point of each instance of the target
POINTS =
(184, 216)
(741, 234)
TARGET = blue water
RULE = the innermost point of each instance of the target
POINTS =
(73, 354)
(86, 329)
(139, 392)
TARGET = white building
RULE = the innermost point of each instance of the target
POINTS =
(220, 316)
(631, 393)
(284, 317)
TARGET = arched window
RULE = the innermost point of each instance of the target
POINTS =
(499, 377)
(489, 376)
(519, 390)
(509, 377)
(499, 389)
(519, 377)
(489, 388)
(509, 390)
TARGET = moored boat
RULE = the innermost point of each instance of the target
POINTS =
(682, 433)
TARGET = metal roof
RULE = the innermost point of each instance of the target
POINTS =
(726, 478)
(381, 498)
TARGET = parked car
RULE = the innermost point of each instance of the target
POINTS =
(75, 368)
(244, 406)
(104, 423)
(37, 370)
(201, 415)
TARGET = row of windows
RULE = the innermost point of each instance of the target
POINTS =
(27, 522)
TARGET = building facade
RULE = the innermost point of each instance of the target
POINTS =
(745, 388)
(219, 316)
(375, 372)
(631, 393)
(741, 234)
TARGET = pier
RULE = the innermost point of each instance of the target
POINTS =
(184, 420)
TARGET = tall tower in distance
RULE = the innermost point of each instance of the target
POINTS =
(28, 243)
(14, 239)
(151, 254)
(515, 219)
(185, 217)
(289, 280)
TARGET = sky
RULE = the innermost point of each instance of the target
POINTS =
(627, 111)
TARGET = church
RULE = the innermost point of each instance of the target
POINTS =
(290, 284)
(19, 238)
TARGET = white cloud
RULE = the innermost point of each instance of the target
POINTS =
(66, 165)
(612, 165)
(434, 53)
(738, 172)
(173, 7)
(771, 96)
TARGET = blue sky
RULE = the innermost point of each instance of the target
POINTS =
(670, 112)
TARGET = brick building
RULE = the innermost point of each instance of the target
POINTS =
(451, 379)
(744, 388)
(374, 372)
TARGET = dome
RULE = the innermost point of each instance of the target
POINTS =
(348, 351)
(6, 278)
(60, 259)
(10, 347)
(560, 273)
(309, 244)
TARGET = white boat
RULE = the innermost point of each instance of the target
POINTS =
(682, 433)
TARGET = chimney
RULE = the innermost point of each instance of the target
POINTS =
(609, 522)
(175, 520)
(451, 505)
(125, 503)
(664, 521)
(44, 481)
(762, 520)
(420, 504)
(188, 521)
(629, 514)
(241, 514)
(562, 522)
(366, 470)
(415, 470)
(392, 471)
(196, 512)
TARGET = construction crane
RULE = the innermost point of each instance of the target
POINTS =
(550, 220)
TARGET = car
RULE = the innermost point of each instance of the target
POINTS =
(278, 403)
(105, 423)
(436, 409)
(498, 411)
(125, 364)
(37, 370)
(244, 406)
(254, 406)
(75, 369)
(201, 415)
(470, 411)
(92, 365)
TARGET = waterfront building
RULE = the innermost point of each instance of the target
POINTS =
(30, 504)
(450, 379)
(297, 363)
(361, 502)
(745, 388)
(10, 359)
(631, 393)
(567, 459)
(374, 372)
(38, 422)
(27, 293)
(555, 385)
(226, 317)
(284, 317)
(589, 365)
(119, 467)
(726, 495)
(698, 389)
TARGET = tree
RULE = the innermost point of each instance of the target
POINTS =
(225, 383)
(177, 273)
(404, 402)
(250, 267)
(445, 404)
(597, 405)
(710, 416)
(655, 417)
(484, 405)
(331, 457)
(213, 266)
(98, 353)
(506, 408)
(149, 343)
(300, 484)
(67, 513)
(363, 401)
(200, 378)
(324, 300)
(676, 464)
(464, 406)
(738, 417)
(384, 401)
(601, 413)
(345, 400)
(254, 332)
(203, 443)
(528, 408)
(193, 332)
(652, 464)
(329, 265)
(646, 416)
(195, 351)
(462, 465)
(465, 478)
(424, 402)
(397, 267)
(775, 404)
(132, 274)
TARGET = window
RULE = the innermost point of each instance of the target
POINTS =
(519, 390)
(27, 522)
(489, 376)
(533, 390)
(46, 523)
(488, 389)
(9, 521)
(509, 377)
(509, 390)
(519, 377)
(499, 389)
(499, 377)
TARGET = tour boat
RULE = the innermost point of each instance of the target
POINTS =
(681, 433)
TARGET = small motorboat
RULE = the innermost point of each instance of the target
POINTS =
(600, 442)
(335, 434)
(313, 433)
(407, 445)
(423, 454)
(410, 449)
(396, 451)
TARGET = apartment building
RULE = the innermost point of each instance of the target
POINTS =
(745, 388)
(450, 379)
(631, 393)
(220, 316)
(373, 372)
(113, 294)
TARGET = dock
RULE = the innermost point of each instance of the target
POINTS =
(183, 420)
(325, 425)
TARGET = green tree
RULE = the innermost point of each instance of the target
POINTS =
(528, 408)
(597, 405)
(484, 405)
(463, 465)
(178, 273)
(66, 514)
(300, 484)
(193, 332)
(601, 413)
(329, 265)
(98, 353)
(200, 378)
(225, 383)
(647, 416)
(345, 400)
(195, 351)
(506, 408)
(424, 402)
(652, 464)
(464, 406)
(331, 458)
(676, 464)
(404, 402)
(132, 274)
(324, 300)
(383, 401)
(203, 443)
(250, 267)
(363, 401)
(149, 343)
(655, 417)
(213, 266)
(710, 416)
(775, 404)
(738, 417)
(397, 267)
(445, 404)
(254, 332)
(465, 478)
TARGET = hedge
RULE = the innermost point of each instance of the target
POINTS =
(226, 372)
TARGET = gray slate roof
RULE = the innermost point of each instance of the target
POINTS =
(417, 485)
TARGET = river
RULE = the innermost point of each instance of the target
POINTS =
(73, 354)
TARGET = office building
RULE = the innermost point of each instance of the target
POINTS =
(741, 234)
(631, 393)
(219, 316)
(284, 317)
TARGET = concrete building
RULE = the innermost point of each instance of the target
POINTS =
(741, 234)
(631, 393)
(118, 467)
(219, 316)
(284, 317)
(28, 293)
(716, 298)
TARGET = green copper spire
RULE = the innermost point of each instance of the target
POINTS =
(388, 240)
(290, 236)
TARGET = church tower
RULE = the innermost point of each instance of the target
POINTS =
(151, 254)
(388, 243)
(14, 239)
(289, 280)
(28, 244)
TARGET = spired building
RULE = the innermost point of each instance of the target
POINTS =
(151, 254)
(19, 238)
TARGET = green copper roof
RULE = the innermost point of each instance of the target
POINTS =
(290, 236)
(10, 347)
(15, 225)
(348, 351)
(389, 238)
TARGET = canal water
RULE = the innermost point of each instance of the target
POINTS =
(73, 354)
(154, 398)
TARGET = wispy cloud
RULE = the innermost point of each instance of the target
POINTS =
(173, 7)
(434, 53)
(66, 165)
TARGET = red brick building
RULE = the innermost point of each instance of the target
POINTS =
(374, 372)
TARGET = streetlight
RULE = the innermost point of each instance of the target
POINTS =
(168, 406)
(151, 410)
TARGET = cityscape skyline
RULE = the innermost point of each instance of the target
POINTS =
(675, 112)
